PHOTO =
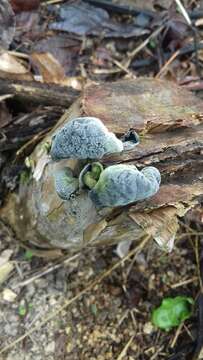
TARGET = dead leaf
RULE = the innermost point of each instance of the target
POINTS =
(63, 48)
(139, 4)
(9, 295)
(7, 24)
(22, 5)
(177, 29)
(123, 248)
(5, 256)
(146, 5)
(161, 224)
(28, 26)
(12, 68)
(5, 270)
(93, 231)
(95, 22)
(49, 68)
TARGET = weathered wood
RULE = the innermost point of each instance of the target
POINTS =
(39, 94)
(169, 120)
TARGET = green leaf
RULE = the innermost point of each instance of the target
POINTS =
(22, 310)
(28, 255)
(152, 44)
(94, 309)
(172, 312)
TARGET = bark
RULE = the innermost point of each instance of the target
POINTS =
(39, 94)
(169, 121)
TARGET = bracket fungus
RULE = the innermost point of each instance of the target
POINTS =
(90, 174)
(118, 185)
(130, 140)
(84, 138)
(65, 183)
(122, 184)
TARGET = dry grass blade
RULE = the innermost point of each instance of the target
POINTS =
(189, 234)
(184, 12)
(178, 332)
(185, 282)
(198, 263)
(166, 65)
(125, 349)
(124, 68)
(45, 272)
(156, 354)
(89, 287)
(51, 2)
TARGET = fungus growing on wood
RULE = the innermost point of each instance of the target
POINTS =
(84, 138)
(122, 184)
(65, 183)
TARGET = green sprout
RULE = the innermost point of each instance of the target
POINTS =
(22, 310)
(94, 309)
(28, 255)
(172, 312)
(152, 43)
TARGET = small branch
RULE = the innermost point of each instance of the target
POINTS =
(142, 46)
(38, 93)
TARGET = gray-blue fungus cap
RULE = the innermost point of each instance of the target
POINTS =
(65, 183)
(120, 185)
(84, 138)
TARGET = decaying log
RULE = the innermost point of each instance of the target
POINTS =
(39, 93)
(169, 121)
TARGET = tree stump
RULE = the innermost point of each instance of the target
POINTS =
(169, 121)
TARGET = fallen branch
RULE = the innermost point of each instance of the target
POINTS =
(37, 93)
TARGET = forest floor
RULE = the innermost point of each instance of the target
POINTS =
(111, 319)
(93, 305)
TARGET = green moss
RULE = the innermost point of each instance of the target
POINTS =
(25, 177)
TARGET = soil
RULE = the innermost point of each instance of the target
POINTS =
(113, 315)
